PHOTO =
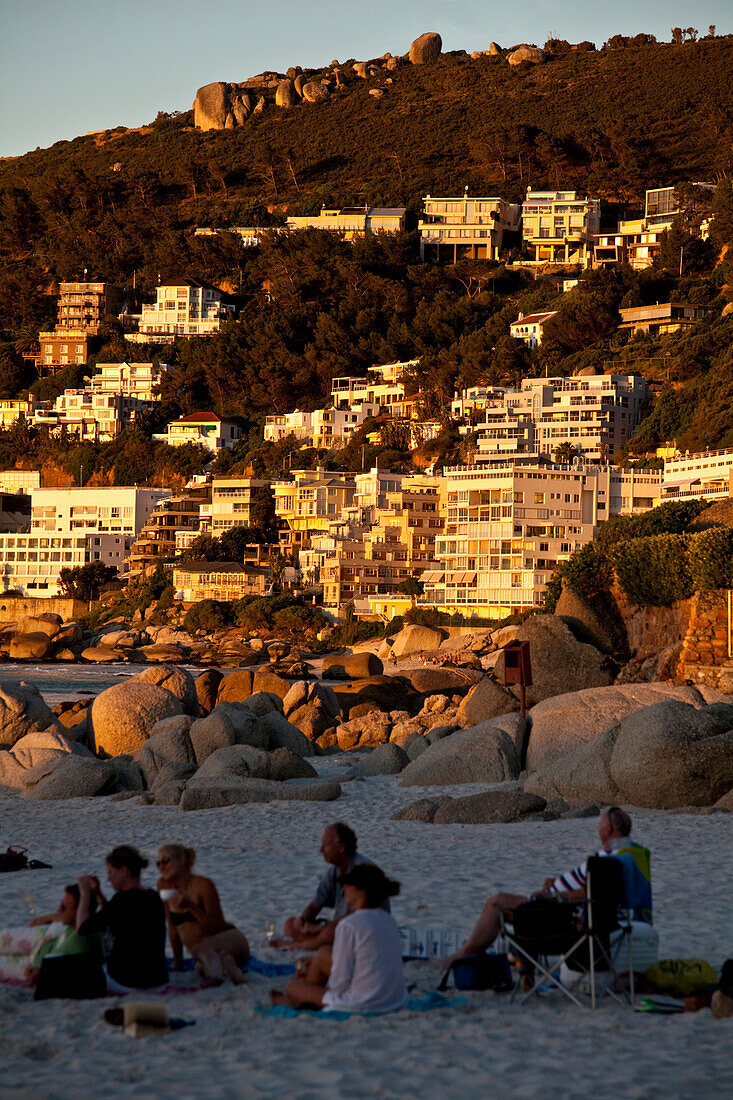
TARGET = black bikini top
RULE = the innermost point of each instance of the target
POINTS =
(182, 918)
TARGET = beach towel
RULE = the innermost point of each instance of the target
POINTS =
(254, 966)
(427, 1003)
(635, 860)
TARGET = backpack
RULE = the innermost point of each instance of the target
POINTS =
(480, 971)
(681, 977)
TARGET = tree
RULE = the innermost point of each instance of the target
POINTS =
(85, 582)
(565, 452)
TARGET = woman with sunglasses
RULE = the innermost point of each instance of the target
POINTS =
(195, 919)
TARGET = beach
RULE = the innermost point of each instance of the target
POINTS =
(265, 862)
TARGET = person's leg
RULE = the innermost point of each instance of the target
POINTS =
(225, 952)
(299, 994)
(319, 967)
(487, 926)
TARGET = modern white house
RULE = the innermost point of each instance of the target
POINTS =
(204, 429)
(188, 307)
(529, 329)
(559, 227)
(464, 227)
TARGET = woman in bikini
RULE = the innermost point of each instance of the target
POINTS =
(195, 919)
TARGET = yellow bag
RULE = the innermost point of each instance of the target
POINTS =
(681, 977)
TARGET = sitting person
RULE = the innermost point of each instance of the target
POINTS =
(195, 919)
(614, 828)
(134, 916)
(338, 848)
(22, 950)
(363, 972)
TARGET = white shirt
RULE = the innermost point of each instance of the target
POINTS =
(366, 972)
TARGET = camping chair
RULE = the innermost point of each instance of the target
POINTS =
(550, 929)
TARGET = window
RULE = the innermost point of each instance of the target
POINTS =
(539, 498)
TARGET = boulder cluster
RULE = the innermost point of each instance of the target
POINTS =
(250, 736)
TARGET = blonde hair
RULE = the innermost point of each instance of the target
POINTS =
(188, 855)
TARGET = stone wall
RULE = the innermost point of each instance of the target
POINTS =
(705, 658)
(650, 629)
(13, 608)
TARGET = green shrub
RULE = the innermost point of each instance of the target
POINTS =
(653, 571)
(710, 555)
(209, 615)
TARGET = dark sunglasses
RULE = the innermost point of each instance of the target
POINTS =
(162, 862)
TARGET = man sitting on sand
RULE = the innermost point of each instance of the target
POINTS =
(338, 848)
(614, 828)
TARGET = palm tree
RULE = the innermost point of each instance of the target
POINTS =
(565, 452)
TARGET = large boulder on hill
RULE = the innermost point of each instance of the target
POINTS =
(483, 754)
(489, 808)
(417, 639)
(122, 718)
(22, 711)
(314, 93)
(673, 755)
(531, 54)
(360, 665)
(30, 647)
(603, 630)
(238, 791)
(236, 687)
(387, 692)
(207, 689)
(210, 106)
(285, 95)
(426, 48)
(75, 777)
(385, 760)
(560, 663)
(486, 700)
(443, 681)
(176, 680)
(564, 722)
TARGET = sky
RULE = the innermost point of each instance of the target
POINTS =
(69, 66)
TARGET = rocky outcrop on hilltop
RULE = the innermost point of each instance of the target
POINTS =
(227, 106)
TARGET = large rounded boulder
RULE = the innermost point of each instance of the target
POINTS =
(560, 663)
(673, 755)
(417, 639)
(426, 48)
(532, 55)
(22, 711)
(483, 754)
(358, 665)
(176, 680)
(30, 647)
(486, 700)
(122, 718)
(210, 106)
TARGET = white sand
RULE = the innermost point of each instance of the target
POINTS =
(265, 861)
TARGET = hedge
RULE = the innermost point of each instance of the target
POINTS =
(653, 571)
(710, 555)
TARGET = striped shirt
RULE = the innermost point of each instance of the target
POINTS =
(575, 879)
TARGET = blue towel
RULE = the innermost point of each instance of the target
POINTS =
(254, 966)
(427, 1003)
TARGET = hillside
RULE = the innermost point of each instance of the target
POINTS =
(122, 204)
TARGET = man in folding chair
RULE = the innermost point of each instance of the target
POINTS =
(561, 930)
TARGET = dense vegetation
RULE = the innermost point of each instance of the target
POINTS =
(122, 205)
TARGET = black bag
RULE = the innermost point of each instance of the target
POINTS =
(14, 859)
(77, 977)
(480, 971)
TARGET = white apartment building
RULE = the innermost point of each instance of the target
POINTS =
(707, 475)
(72, 527)
(137, 380)
(13, 408)
(529, 329)
(507, 526)
(596, 414)
(85, 416)
(453, 229)
(205, 430)
(354, 400)
(354, 221)
(188, 307)
(232, 499)
(559, 227)
(19, 481)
